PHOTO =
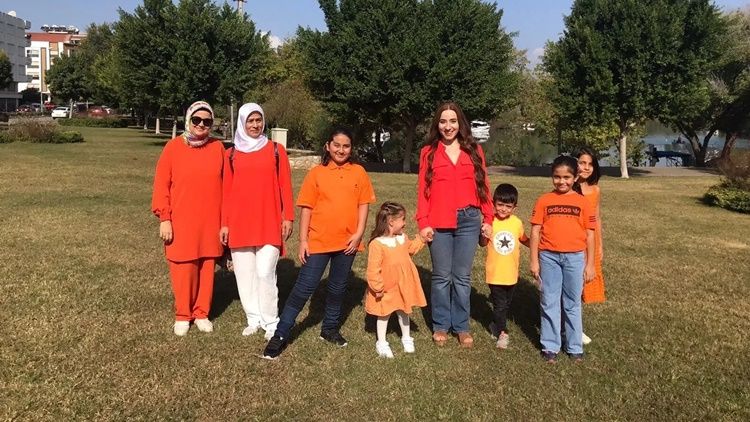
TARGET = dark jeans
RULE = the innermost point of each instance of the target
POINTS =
(452, 253)
(308, 280)
(501, 296)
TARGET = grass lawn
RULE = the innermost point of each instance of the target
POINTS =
(87, 313)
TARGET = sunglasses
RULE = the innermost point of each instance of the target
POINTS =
(195, 120)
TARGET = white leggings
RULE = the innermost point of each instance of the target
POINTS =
(403, 321)
(255, 271)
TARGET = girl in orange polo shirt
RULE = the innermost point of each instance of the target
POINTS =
(334, 198)
(562, 257)
(187, 200)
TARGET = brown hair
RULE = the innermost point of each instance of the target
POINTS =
(466, 142)
(387, 210)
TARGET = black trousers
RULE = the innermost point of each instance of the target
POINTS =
(500, 296)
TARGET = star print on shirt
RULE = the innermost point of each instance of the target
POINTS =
(504, 242)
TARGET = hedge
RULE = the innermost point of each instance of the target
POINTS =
(90, 122)
(730, 197)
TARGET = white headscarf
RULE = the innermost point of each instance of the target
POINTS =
(244, 142)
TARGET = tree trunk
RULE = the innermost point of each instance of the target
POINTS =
(623, 145)
(379, 145)
(174, 127)
(145, 121)
(158, 129)
(726, 150)
(411, 134)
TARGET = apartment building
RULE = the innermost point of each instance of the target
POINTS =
(13, 42)
(43, 49)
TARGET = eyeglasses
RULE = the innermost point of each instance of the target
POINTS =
(195, 120)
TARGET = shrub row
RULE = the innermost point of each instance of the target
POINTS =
(729, 196)
(36, 131)
(113, 122)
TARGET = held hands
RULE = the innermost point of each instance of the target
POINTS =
(378, 295)
(165, 231)
(224, 235)
(352, 244)
(287, 227)
(486, 230)
(427, 234)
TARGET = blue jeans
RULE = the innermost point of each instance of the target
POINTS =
(452, 252)
(561, 275)
(308, 280)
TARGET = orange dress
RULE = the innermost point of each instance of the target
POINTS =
(391, 271)
(593, 291)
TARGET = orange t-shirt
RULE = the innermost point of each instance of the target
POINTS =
(334, 194)
(564, 219)
(187, 191)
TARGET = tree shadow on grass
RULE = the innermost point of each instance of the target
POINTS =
(287, 276)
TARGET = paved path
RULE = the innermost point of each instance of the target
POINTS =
(613, 171)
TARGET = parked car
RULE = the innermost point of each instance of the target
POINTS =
(97, 112)
(60, 112)
(480, 130)
(49, 106)
(25, 108)
(36, 107)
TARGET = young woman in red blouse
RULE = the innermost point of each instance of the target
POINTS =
(257, 216)
(453, 207)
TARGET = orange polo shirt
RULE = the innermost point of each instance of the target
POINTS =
(334, 194)
(564, 219)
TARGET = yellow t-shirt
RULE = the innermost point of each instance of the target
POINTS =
(503, 253)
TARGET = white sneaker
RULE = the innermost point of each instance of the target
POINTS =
(586, 339)
(502, 341)
(384, 349)
(408, 344)
(250, 330)
(181, 328)
(204, 325)
(269, 334)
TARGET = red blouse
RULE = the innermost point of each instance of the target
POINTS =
(453, 187)
(253, 197)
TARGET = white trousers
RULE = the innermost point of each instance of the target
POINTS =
(255, 271)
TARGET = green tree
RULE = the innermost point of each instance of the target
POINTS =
(625, 61)
(67, 78)
(389, 63)
(6, 71)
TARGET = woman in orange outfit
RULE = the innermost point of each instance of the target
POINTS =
(187, 200)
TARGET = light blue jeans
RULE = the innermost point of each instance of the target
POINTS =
(452, 252)
(561, 275)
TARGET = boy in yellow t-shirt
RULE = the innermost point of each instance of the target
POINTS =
(503, 258)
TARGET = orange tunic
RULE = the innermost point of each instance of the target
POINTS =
(257, 197)
(593, 291)
(391, 271)
(187, 191)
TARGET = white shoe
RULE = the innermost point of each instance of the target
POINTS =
(181, 328)
(204, 325)
(408, 344)
(250, 330)
(384, 349)
(585, 339)
(269, 334)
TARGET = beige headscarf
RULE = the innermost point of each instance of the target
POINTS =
(191, 139)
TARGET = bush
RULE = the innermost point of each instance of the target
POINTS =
(5, 137)
(40, 132)
(112, 122)
(733, 193)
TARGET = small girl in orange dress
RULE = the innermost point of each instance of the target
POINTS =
(392, 279)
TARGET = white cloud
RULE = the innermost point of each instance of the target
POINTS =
(273, 40)
(535, 56)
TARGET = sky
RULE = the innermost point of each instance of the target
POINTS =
(535, 21)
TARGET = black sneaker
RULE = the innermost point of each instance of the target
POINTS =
(549, 357)
(274, 347)
(333, 336)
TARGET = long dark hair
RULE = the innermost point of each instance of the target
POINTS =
(572, 165)
(325, 157)
(465, 140)
(595, 173)
(387, 210)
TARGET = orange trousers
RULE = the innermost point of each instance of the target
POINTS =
(593, 291)
(193, 288)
